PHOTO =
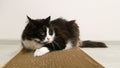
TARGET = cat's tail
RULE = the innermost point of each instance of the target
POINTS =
(93, 44)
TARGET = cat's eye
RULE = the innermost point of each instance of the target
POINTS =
(50, 32)
(42, 33)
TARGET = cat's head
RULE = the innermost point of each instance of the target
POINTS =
(39, 30)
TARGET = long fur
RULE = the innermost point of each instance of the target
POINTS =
(66, 35)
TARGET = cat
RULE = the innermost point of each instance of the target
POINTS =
(44, 36)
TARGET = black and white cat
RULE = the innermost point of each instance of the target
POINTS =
(44, 35)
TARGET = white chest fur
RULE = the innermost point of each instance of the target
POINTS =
(31, 44)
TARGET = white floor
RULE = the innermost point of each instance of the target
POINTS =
(108, 57)
(7, 52)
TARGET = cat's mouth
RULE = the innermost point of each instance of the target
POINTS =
(46, 42)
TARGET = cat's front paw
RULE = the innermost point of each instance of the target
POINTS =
(41, 51)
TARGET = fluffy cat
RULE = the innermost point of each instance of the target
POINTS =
(44, 36)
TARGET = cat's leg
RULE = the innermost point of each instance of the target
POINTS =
(44, 50)
(41, 51)
(58, 44)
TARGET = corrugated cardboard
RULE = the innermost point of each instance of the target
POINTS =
(72, 58)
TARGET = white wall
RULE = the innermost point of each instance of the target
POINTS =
(98, 19)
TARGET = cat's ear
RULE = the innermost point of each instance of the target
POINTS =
(29, 19)
(47, 20)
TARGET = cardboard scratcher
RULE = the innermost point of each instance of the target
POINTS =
(72, 58)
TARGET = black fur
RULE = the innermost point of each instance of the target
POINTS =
(93, 44)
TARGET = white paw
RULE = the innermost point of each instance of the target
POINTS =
(41, 51)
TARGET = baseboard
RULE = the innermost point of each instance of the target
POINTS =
(13, 42)
(9, 42)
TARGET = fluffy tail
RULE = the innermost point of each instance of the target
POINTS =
(93, 44)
